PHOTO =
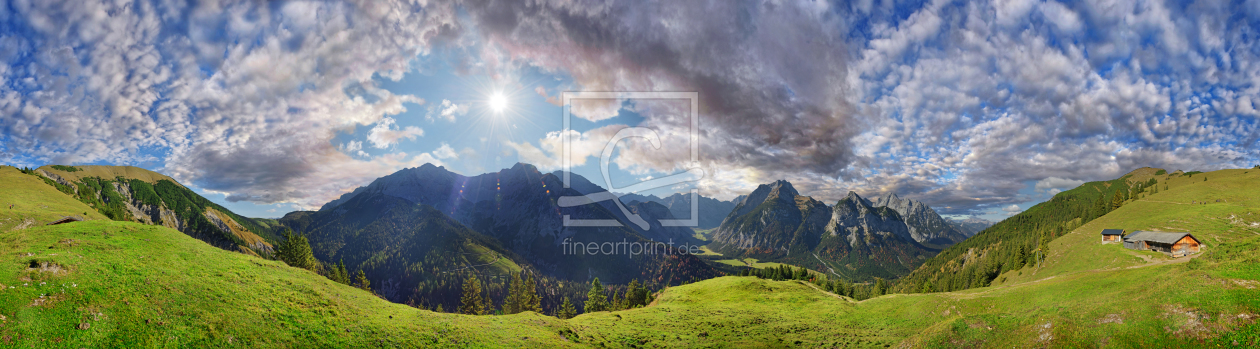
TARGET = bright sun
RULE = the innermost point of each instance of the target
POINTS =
(498, 102)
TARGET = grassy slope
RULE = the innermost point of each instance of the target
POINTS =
(109, 172)
(1084, 286)
(153, 286)
(35, 201)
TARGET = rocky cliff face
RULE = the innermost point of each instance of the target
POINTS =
(924, 224)
(853, 239)
(860, 222)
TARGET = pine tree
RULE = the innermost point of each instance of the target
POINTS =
(487, 303)
(470, 300)
(295, 251)
(617, 302)
(1116, 201)
(634, 296)
(339, 274)
(363, 281)
(531, 300)
(513, 303)
(567, 311)
(439, 308)
(595, 299)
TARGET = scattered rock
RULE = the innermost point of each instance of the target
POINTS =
(1046, 333)
(84, 326)
(1111, 319)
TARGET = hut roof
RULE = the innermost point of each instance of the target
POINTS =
(64, 220)
(1157, 236)
(1113, 232)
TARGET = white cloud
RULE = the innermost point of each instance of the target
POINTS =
(384, 134)
(447, 110)
(1054, 185)
(445, 152)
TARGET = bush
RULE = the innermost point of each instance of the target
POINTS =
(1195, 264)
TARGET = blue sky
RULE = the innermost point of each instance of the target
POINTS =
(974, 107)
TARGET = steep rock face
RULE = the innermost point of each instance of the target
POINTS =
(854, 239)
(855, 219)
(924, 224)
(764, 222)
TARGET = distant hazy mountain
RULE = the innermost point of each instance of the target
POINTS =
(925, 225)
(519, 208)
(853, 239)
(712, 211)
(971, 225)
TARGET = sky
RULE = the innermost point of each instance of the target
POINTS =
(978, 108)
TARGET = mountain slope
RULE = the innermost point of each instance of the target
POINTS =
(411, 252)
(122, 284)
(128, 193)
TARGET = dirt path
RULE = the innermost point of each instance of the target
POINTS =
(1149, 262)
(26, 223)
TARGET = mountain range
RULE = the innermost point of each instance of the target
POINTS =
(971, 225)
(412, 231)
(711, 211)
(854, 238)
(515, 212)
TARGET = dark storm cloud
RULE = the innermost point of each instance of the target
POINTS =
(770, 76)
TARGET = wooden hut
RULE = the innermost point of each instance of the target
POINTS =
(1174, 244)
(65, 220)
(1112, 235)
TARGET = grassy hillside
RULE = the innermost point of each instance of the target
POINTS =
(1023, 239)
(126, 193)
(76, 173)
(34, 202)
(120, 284)
(134, 285)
